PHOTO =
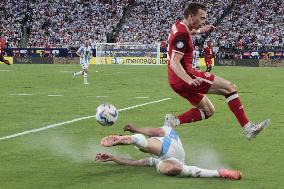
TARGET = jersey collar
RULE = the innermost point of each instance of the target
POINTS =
(185, 26)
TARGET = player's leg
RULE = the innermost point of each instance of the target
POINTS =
(201, 110)
(85, 75)
(171, 167)
(207, 65)
(150, 145)
(197, 64)
(194, 64)
(75, 74)
(229, 91)
(2, 59)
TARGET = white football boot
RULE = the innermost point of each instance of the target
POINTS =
(171, 121)
(251, 129)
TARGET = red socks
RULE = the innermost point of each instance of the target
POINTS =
(237, 108)
(191, 115)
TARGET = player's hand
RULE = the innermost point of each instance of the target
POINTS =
(129, 127)
(196, 82)
(207, 28)
(104, 157)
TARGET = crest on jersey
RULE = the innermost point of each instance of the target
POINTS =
(180, 44)
(207, 74)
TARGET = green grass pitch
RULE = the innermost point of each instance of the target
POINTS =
(35, 96)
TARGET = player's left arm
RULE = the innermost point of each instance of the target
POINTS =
(148, 131)
(104, 157)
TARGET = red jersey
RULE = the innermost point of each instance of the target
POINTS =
(2, 43)
(208, 52)
(180, 41)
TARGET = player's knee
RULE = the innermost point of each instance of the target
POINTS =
(169, 168)
(209, 110)
(231, 88)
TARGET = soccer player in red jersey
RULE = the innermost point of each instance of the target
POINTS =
(208, 50)
(2, 46)
(192, 84)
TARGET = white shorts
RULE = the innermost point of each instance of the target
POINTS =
(171, 145)
(84, 64)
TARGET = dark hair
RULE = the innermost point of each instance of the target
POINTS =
(192, 8)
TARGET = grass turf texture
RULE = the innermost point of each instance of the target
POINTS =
(63, 157)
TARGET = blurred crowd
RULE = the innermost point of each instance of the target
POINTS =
(12, 16)
(250, 24)
(150, 21)
(63, 23)
(253, 24)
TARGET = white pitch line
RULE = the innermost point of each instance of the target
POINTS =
(4, 70)
(22, 94)
(141, 97)
(55, 95)
(74, 120)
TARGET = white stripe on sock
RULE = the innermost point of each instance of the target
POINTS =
(202, 114)
(232, 97)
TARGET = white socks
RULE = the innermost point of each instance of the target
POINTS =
(140, 141)
(78, 73)
(85, 78)
(193, 171)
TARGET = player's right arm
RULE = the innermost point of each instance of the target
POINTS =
(78, 52)
(104, 157)
(176, 66)
(148, 131)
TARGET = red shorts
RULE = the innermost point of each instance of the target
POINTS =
(194, 94)
(208, 61)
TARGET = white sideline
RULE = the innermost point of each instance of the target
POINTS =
(74, 120)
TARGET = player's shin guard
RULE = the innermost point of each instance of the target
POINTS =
(140, 141)
(192, 115)
(237, 108)
(193, 171)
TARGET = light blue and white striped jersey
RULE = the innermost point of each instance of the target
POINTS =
(85, 52)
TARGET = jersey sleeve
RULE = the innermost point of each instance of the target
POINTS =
(180, 42)
(79, 50)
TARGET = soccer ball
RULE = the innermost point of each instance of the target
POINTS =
(106, 114)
